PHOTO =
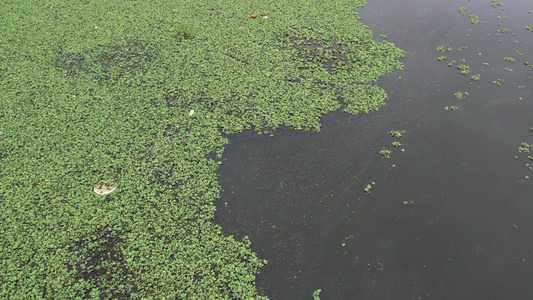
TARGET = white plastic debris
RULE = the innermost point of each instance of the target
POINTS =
(104, 187)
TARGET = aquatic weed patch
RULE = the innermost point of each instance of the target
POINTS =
(525, 148)
(135, 94)
(397, 133)
(341, 65)
(507, 59)
(464, 69)
(385, 152)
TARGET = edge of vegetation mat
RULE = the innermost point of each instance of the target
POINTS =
(110, 110)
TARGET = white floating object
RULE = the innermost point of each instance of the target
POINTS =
(191, 112)
(103, 188)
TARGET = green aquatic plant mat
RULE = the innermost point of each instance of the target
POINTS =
(129, 98)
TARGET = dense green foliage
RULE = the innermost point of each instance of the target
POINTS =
(137, 92)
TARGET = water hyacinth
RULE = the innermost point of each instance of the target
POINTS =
(139, 92)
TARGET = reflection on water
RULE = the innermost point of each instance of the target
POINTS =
(449, 218)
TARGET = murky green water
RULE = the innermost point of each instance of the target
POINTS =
(449, 218)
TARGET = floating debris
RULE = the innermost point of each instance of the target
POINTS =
(104, 187)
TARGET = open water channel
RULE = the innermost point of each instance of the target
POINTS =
(451, 217)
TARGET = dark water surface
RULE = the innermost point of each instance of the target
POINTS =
(467, 230)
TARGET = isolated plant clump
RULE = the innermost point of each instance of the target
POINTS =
(397, 133)
(110, 133)
(386, 153)
(464, 69)
(525, 147)
(368, 187)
